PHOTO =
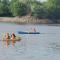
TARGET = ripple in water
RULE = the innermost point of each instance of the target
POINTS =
(54, 48)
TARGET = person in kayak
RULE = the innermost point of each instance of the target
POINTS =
(7, 39)
(13, 38)
(34, 30)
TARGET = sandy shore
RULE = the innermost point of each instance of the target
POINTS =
(23, 20)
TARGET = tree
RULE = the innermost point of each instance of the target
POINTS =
(38, 10)
(1, 8)
(18, 8)
(4, 8)
(53, 7)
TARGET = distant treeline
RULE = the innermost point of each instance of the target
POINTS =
(49, 9)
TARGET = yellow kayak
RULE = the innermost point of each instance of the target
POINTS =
(17, 38)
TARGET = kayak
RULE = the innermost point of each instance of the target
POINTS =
(20, 32)
(17, 38)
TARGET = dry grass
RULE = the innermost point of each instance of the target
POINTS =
(23, 20)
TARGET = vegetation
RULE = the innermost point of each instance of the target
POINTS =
(53, 8)
(38, 10)
(49, 9)
(4, 8)
(18, 8)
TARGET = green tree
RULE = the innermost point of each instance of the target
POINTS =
(4, 8)
(1, 8)
(38, 10)
(18, 8)
(28, 4)
(53, 7)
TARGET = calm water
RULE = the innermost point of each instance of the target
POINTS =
(45, 46)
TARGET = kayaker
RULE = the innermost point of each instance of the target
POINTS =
(7, 38)
(13, 38)
(34, 30)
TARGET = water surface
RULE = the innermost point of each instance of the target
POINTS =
(44, 46)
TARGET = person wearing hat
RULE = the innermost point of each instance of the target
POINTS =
(13, 38)
(7, 39)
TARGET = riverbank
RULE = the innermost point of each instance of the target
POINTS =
(24, 20)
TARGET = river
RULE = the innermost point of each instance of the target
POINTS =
(43, 46)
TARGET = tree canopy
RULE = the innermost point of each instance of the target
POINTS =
(18, 8)
(53, 8)
(49, 9)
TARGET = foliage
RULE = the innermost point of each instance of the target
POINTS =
(38, 10)
(49, 9)
(18, 8)
(53, 7)
(4, 8)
